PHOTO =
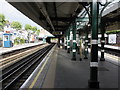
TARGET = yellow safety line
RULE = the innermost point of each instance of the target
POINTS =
(35, 79)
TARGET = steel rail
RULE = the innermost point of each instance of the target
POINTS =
(26, 59)
(35, 59)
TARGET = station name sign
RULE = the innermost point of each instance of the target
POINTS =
(57, 33)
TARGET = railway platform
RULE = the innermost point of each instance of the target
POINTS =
(17, 47)
(59, 71)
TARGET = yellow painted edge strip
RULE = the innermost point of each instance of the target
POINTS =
(34, 81)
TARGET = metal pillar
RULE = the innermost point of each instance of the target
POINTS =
(58, 42)
(78, 42)
(71, 38)
(65, 42)
(93, 82)
(68, 41)
(102, 28)
(81, 55)
(74, 41)
(86, 44)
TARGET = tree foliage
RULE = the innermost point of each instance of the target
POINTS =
(2, 21)
(34, 29)
(16, 25)
(28, 27)
(37, 32)
(112, 31)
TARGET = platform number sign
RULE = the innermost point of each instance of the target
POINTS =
(112, 38)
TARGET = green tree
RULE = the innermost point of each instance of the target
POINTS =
(34, 29)
(2, 21)
(16, 25)
(28, 27)
(37, 32)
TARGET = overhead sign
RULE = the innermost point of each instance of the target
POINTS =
(57, 33)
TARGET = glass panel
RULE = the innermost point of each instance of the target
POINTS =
(6, 38)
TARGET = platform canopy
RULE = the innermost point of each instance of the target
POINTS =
(52, 16)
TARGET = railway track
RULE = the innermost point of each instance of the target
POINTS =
(115, 52)
(111, 51)
(18, 73)
(6, 62)
(7, 54)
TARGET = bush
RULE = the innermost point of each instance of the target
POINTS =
(1, 39)
(22, 41)
(19, 40)
(112, 31)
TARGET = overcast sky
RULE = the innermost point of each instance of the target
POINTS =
(12, 14)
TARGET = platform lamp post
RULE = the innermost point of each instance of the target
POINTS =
(68, 40)
(74, 41)
(93, 82)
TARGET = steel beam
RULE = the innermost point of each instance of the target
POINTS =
(45, 13)
(84, 19)
(64, 19)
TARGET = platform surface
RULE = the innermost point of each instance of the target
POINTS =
(65, 73)
(4, 50)
(61, 72)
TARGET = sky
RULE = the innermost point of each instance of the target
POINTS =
(12, 14)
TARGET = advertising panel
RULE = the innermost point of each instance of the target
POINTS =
(112, 38)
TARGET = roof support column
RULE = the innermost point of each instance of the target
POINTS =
(81, 50)
(74, 41)
(102, 28)
(68, 41)
(65, 42)
(86, 44)
(78, 42)
(58, 42)
(71, 37)
(93, 82)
